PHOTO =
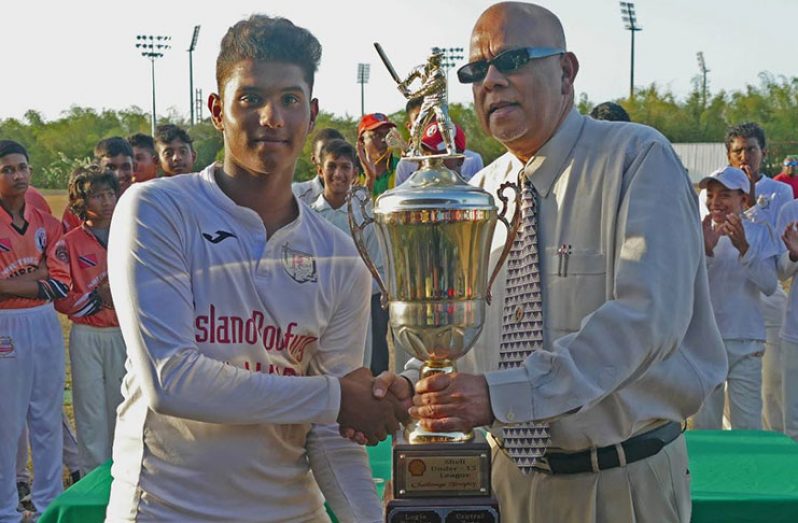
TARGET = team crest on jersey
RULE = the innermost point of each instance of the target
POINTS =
(41, 239)
(61, 252)
(5, 245)
(87, 261)
(299, 265)
(6, 347)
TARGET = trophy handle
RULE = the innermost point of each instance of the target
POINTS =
(361, 194)
(512, 226)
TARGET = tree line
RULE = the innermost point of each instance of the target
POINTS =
(58, 146)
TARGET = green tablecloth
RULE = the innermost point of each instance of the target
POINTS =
(743, 476)
(737, 477)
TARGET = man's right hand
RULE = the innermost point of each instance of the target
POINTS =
(364, 412)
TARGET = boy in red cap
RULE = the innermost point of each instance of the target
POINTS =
(376, 139)
(432, 143)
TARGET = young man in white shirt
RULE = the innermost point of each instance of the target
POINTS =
(243, 317)
(746, 148)
(741, 264)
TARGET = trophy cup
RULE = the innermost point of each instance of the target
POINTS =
(435, 235)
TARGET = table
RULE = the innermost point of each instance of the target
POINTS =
(737, 477)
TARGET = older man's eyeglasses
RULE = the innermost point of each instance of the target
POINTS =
(506, 62)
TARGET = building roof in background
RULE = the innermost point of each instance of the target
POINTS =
(701, 159)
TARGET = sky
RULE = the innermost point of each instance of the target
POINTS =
(57, 54)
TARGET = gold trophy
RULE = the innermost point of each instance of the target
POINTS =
(435, 235)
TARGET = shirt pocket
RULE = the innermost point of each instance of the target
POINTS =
(575, 286)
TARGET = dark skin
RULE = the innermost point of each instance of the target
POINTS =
(265, 111)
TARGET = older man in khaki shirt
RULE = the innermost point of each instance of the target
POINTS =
(630, 343)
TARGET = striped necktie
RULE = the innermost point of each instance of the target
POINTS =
(522, 328)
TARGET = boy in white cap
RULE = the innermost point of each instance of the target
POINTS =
(741, 263)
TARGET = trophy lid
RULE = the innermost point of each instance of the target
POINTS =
(435, 188)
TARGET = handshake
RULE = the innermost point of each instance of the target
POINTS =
(372, 408)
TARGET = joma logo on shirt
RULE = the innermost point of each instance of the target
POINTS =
(213, 328)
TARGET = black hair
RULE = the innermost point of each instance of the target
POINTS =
(83, 182)
(113, 146)
(610, 111)
(745, 130)
(266, 39)
(11, 147)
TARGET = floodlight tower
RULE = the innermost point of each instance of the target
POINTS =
(152, 47)
(363, 71)
(191, 71)
(630, 24)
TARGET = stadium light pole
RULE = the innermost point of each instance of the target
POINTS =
(702, 66)
(630, 24)
(451, 55)
(363, 71)
(152, 47)
(191, 71)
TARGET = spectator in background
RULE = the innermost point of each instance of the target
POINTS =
(432, 143)
(611, 112)
(376, 156)
(787, 175)
(33, 273)
(175, 150)
(112, 154)
(96, 348)
(471, 165)
(308, 191)
(746, 147)
(145, 159)
(788, 271)
(741, 260)
(337, 165)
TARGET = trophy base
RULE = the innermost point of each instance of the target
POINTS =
(449, 470)
(443, 510)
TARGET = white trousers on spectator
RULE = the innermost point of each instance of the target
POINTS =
(652, 490)
(790, 387)
(773, 308)
(71, 461)
(743, 390)
(32, 389)
(98, 366)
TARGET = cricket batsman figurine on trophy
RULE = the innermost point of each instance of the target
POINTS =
(435, 235)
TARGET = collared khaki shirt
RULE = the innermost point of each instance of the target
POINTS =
(629, 334)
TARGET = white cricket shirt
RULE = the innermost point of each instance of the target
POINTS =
(234, 344)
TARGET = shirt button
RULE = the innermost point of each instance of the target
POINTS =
(519, 313)
(510, 416)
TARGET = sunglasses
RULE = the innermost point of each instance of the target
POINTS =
(791, 163)
(506, 62)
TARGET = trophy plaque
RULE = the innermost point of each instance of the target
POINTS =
(435, 235)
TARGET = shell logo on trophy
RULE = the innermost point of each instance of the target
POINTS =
(435, 234)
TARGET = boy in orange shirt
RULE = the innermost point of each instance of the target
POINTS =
(33, 272)
(96, 348)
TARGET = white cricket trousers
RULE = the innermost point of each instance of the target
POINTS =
(32, 388)
(789, 351)
(70, 450)
(653, 490)
(773, 399)
(98, 357)
(743, 390)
